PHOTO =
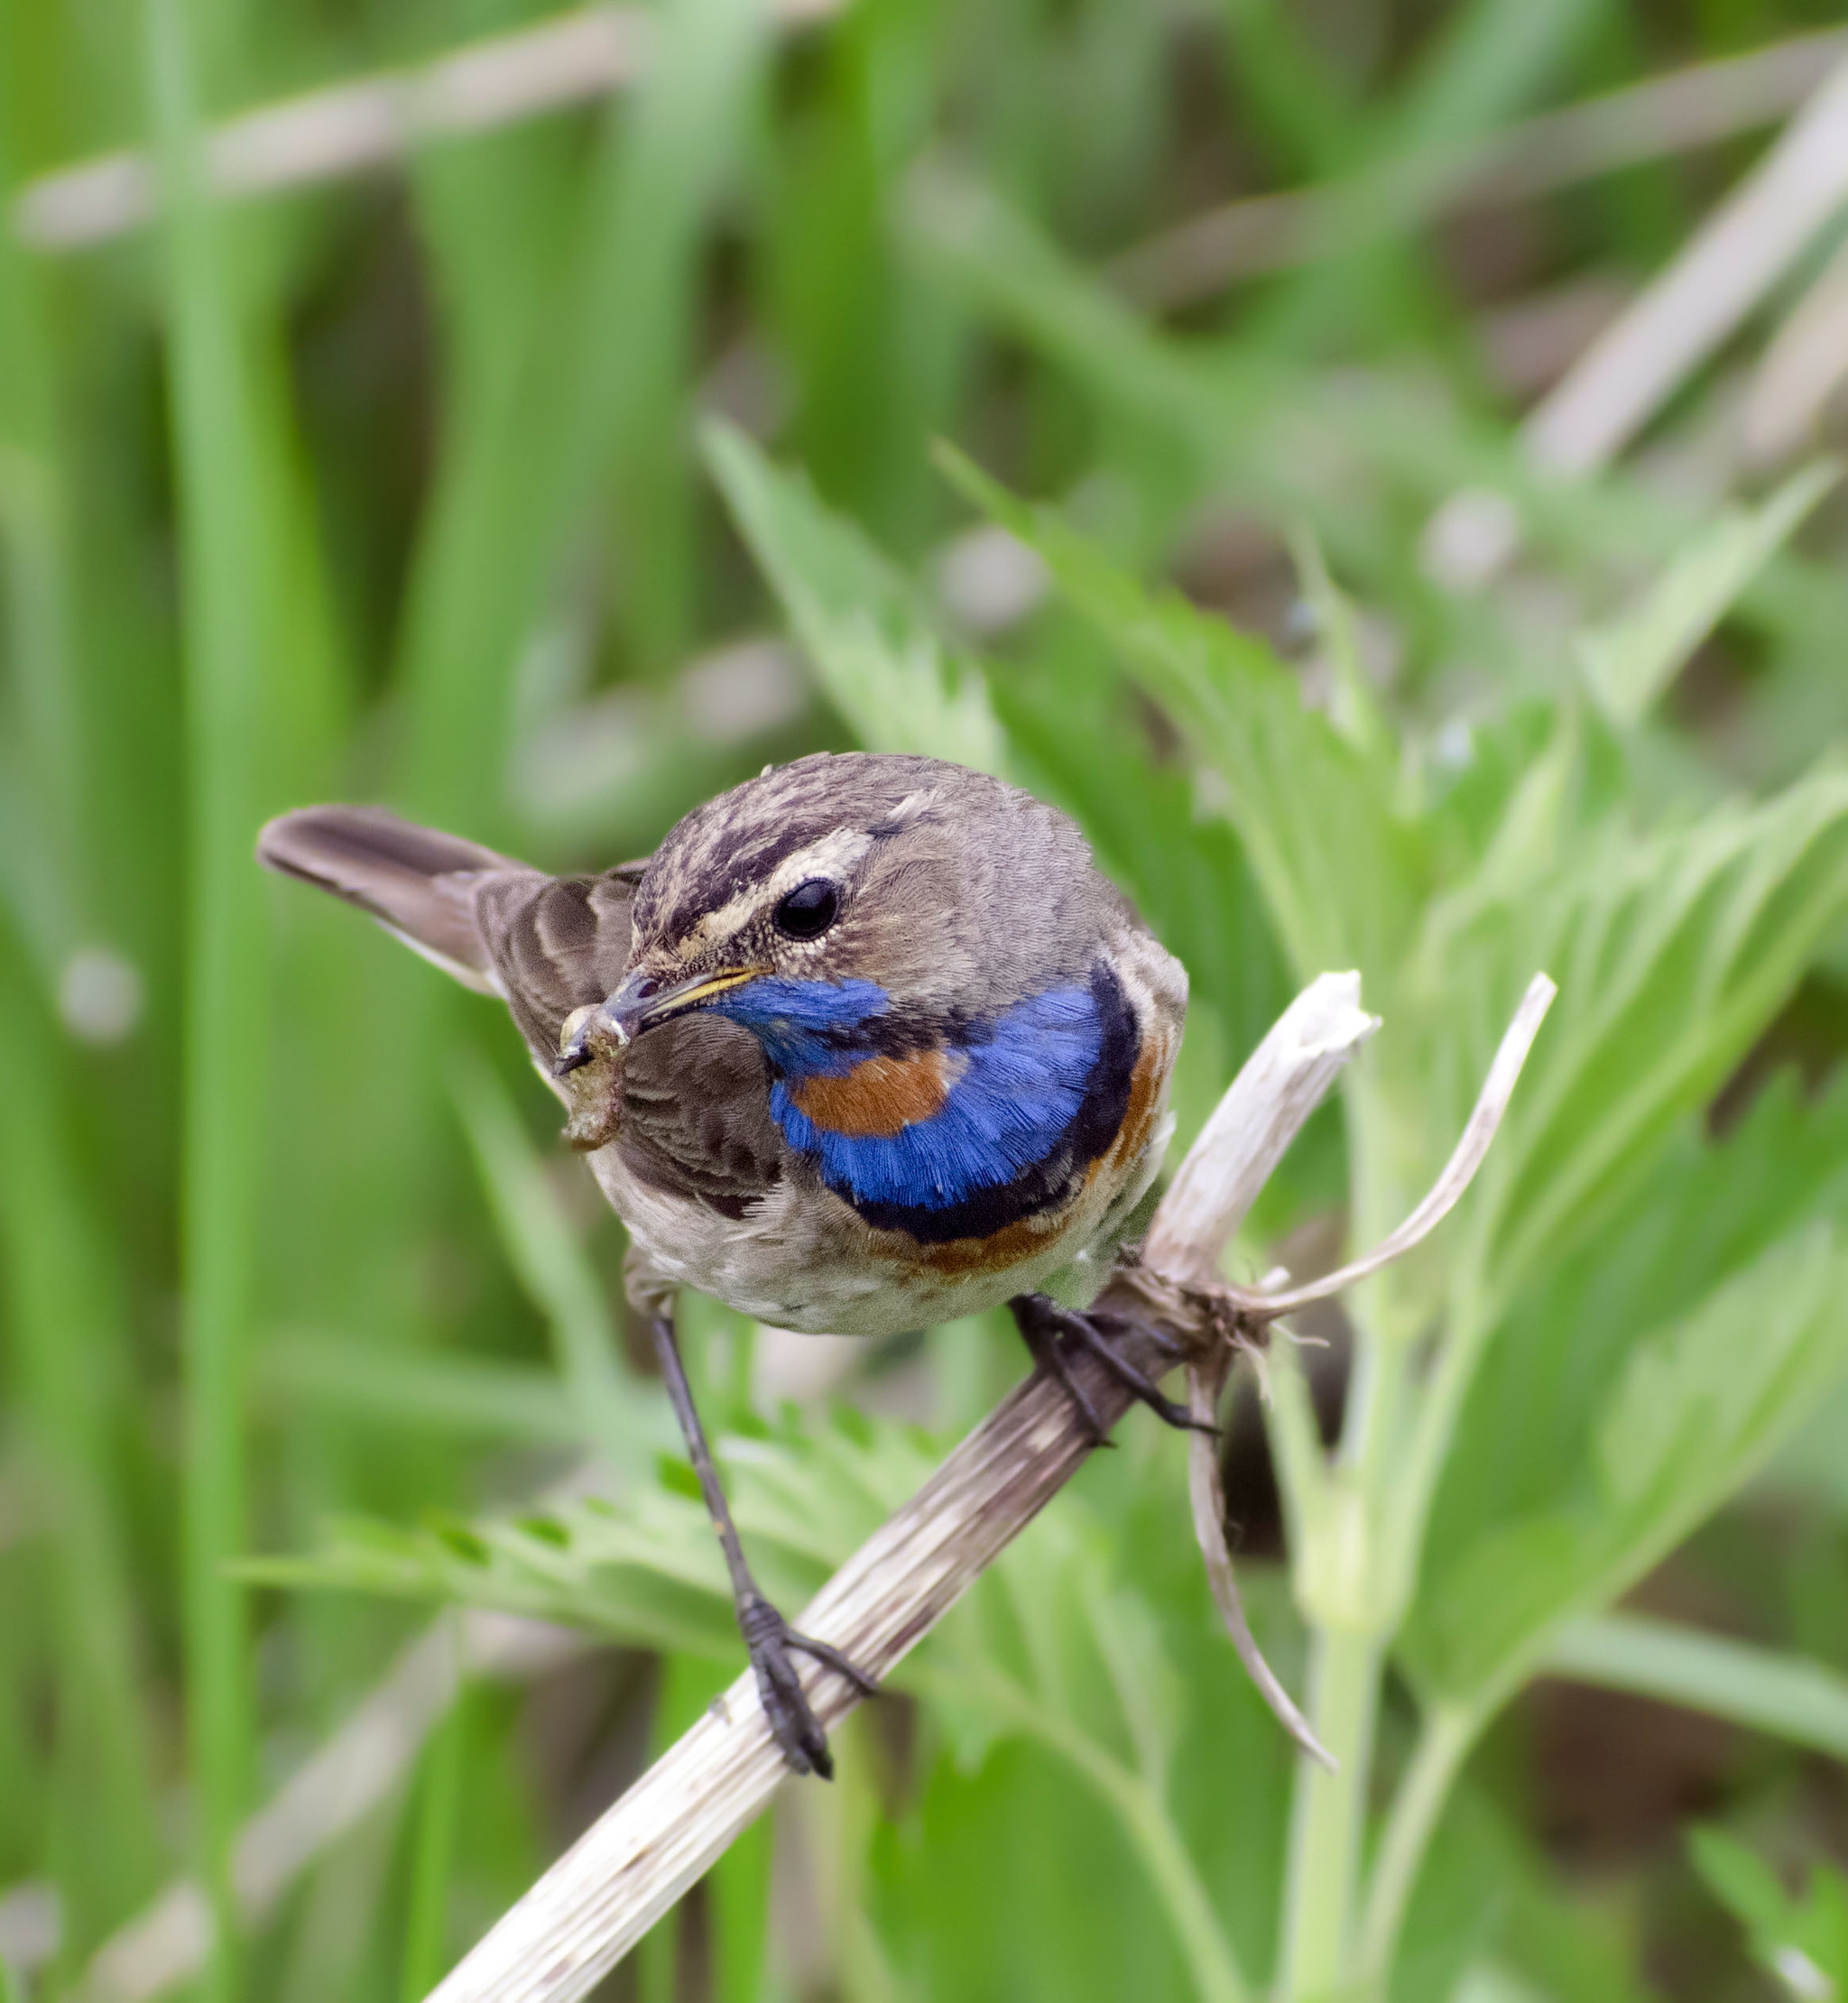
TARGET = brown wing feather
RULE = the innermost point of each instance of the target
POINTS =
(694, 1108)
(416, 881)
(695, 1113)
(556, 943)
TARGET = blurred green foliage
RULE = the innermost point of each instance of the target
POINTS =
(568, 473)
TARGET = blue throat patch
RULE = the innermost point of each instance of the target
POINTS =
(1005, 1108)
(808, 1029)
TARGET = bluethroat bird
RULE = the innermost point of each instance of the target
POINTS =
(868, 1043)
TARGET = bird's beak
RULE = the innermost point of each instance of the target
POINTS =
(641, 1003)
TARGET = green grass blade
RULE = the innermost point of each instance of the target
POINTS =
(474, 1397)
(1629, 663)
(677, 153)
(67, 1325)
(223, 573)
(45, 756)
(1302, 105)
(554, 1269)
(588, 385)
(434, 1844)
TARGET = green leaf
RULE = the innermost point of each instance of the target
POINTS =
(1701, 1405)
(1355, 710)
(1052, 1644)
(1704, 1214)
(1080, 736)
(1671, 952)
(432, 1389)
(1482, 1611)
(898, 685)
(646, 1569)
(1804, 1943)
(1336, 870)
(1629, 664)
(1760, 1688)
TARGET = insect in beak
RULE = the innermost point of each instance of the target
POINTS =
(640, 1003)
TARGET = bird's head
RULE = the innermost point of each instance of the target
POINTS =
(841, 892)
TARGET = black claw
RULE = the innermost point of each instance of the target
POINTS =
(792, 1723)
(1042, 1321)
(1166, 1343)
(826, 1652)
(1039, 1321)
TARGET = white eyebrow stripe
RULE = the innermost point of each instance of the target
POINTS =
(835, 855)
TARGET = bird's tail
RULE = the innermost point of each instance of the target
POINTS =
(417, 882)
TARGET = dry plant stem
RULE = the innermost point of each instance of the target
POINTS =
(1744, 248)
(1632, 369)
(1207, 1491)
(1801, 371)
(592, 1906)
(357, 127)
(1282, 1083)
(1266, 233)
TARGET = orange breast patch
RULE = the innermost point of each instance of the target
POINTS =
(876, 1099)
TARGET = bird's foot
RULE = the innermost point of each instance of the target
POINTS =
(1042, 1323)
(772, 1643)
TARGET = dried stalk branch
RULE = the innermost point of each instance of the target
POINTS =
(1207, 1491)
(598, 1901)
(1459, 1171)
(1282, 1083)
(1800, 371)
(1207, 1373)
(355, 128)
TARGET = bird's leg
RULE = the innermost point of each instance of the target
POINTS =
(1042, 1321)
(770, 1639)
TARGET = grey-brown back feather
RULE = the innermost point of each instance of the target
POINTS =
(695, 1116)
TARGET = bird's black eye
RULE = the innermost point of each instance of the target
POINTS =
(808, 911)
